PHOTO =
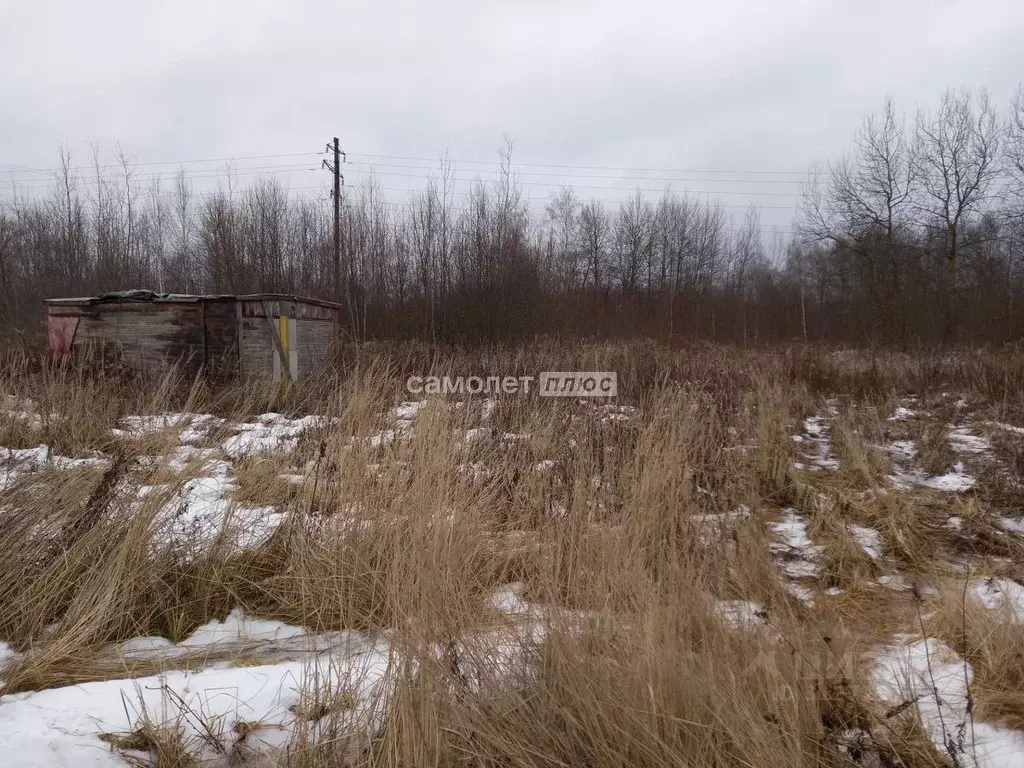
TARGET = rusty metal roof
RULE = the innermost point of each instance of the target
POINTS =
(139, 295)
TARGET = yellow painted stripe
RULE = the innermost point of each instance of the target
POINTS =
(285, 342)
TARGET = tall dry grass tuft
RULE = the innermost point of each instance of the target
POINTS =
(933, 450)
(857, 437)
(993, 642)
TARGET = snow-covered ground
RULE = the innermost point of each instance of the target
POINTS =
(796, 551)
(63, 727)
(816, 438)
(906, 473)
(928, 675)
(250, 676)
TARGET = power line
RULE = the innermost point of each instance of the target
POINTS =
(290, 169)
(171, 195)
(168, 162)
(600, 176)
(534, 215)
(593, 186)
(466, 161)
(541, 216)
(587, 167)
(615, 202)
(23, 168)
(36, 184)
(203, 173)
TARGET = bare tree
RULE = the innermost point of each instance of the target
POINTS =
(1015, 140)
(184, 239)
(1015, 165)
(866, 210)
(479, 270)
(129, 253)
(748, 254)
(956, 158)
(563, 239)
(595, 230)
(633, 241)
(430, 230)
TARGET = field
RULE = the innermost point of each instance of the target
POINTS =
(788, 557)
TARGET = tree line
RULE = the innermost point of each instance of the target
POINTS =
(915, 236)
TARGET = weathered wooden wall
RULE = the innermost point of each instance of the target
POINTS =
(220, 324)
(225, 336)
(315, 338)
(256, 348)
(300, 310)
(148, 335)
(315, 329)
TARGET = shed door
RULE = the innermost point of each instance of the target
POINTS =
(61, 332)
(286, 332)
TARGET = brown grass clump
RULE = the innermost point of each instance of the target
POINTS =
(164, 747)
(185, 740)
(993, 643)
(913, 524)
(856, 437)
(261, 481)
(933, 450)
(843, 562)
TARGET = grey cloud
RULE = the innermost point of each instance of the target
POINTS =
(747, 85)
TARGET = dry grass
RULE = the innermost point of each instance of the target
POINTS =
(857, 435)
(605, 523)
(262, 481)
(933, 450)
(993, 646)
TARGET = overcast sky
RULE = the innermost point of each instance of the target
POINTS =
(708, 87)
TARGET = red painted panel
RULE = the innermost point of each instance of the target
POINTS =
(61, 330)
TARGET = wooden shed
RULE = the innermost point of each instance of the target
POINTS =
(226, 337)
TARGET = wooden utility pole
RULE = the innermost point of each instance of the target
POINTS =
(335, 168)
(337, 220)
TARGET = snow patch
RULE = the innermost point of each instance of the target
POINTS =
(930, 676)
(902, 414)
(962, 441)
(956, 481)
(741, 614)
(476, 435)
(270, 433)
(1012, 524)
(508, 600)
(793, 530)
(800, 592)
(409, 410)
(1002, 595)
(17, 462)
(63, 726)
(895, 581)
(238, 627)
(796, 553)
(869, 540)
(201, 512)
(905, 474)
(816, 436)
